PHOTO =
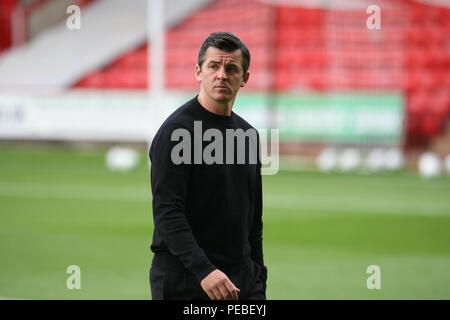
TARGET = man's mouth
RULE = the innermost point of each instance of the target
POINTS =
(221, 87)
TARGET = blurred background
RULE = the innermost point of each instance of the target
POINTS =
(360, 92)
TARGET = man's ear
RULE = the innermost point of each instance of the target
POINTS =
(198, 71)
(245, 79)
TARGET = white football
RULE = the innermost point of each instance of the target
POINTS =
(429, 165)
(121, 159)
(393, 159)
(327, 159)
(375, 160)
(349, 159)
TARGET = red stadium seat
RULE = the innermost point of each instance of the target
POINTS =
(431, 126)
(417, 103)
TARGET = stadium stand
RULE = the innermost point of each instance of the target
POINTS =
(6, 12)
(318, 49)
(73, 56)
(249, 19)
(293, 49)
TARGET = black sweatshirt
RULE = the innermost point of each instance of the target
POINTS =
(209, 216)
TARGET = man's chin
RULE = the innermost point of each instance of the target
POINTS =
(219, 96)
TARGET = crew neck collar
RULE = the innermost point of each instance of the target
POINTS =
(210, 114)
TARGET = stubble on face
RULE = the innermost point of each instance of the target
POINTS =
(221, 75)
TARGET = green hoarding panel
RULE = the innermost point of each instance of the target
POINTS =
(361, 117)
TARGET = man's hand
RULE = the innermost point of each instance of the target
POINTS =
(218, 287)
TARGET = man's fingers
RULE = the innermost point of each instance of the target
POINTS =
(224, 291)
(218, 286)
(217, 294)
(211, 295)
(232, 290)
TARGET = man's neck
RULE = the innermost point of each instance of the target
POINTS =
(219, 108)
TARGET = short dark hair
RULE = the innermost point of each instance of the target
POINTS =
(225, 41)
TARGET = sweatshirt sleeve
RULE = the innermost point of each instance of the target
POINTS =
(170, 183)
(256, 241)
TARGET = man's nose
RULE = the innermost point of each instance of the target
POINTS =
(221, 73)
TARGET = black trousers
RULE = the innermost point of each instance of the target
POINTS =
(169, 280)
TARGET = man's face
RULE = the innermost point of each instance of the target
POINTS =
(221, 74)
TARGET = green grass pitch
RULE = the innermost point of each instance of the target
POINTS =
(61, 207)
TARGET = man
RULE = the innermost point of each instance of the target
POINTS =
(207, 241)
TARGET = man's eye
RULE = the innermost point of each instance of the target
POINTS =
(214, 67)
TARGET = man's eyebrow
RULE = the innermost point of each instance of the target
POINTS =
(218, 61)
(230, 63)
